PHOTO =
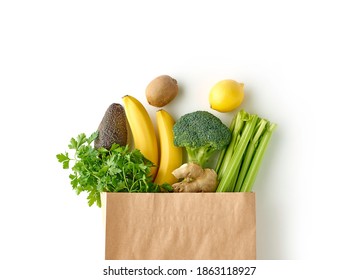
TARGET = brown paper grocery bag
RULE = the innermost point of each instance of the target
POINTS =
(179, 226)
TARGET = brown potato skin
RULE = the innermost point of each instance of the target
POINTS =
(161, 90)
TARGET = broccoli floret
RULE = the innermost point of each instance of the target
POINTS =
(201, 133)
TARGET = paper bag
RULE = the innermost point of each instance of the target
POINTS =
(179, 226)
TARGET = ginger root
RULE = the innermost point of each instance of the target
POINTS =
(195, 179)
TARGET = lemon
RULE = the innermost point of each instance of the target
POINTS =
(226, 95)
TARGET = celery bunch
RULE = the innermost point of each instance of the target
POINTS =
(238, 164)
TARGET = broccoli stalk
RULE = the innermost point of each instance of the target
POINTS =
(200, 155)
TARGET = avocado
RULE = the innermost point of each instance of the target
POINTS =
(113, 127)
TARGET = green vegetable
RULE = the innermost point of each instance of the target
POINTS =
(202, 134)
(117, 169)
(238, 165)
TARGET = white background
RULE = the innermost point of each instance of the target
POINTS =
(62, 63)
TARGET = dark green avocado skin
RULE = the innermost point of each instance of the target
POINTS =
(113, 127)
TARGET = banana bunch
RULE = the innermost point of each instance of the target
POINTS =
(163, 153)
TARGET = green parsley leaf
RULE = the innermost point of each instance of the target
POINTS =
(118, 169)
(64, 158)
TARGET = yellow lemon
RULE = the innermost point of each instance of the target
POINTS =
(226, 95)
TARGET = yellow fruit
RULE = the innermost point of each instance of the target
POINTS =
(142, 129)
(171, 155)
(226, 95)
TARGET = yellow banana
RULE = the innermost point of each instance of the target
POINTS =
(142, 129)
(170, 155)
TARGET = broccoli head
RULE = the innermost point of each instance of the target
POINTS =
(201, 133)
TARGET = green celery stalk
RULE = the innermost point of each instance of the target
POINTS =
(237, 125)
(227, 182)
(260, 129)
(242, 118)
(223, 152)
(257, 159)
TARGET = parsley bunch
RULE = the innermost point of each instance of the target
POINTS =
(118, 169)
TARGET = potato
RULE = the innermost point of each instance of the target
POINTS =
(161, 91)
